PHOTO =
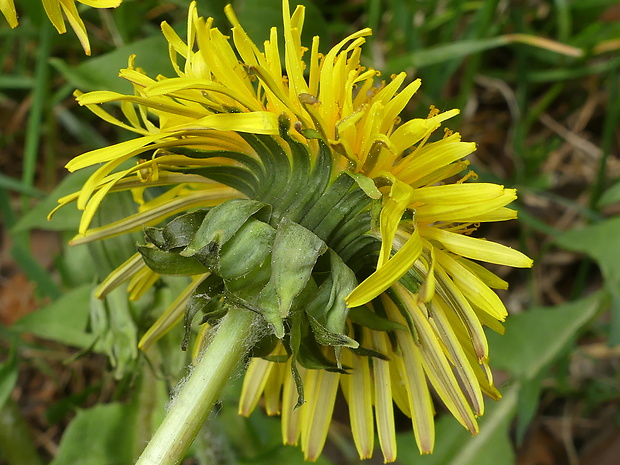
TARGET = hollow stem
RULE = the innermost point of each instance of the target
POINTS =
(200, 391)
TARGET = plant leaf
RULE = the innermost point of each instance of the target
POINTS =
(101, 435)
(101, 72)
(63, 321)
(610, 196)
(535, 338)
(8, 376)
(456, 446)
(601, 241)
(65, 219)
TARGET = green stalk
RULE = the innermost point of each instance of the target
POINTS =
(201, 390)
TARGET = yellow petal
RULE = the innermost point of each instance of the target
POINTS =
(273, 388)
(459, 358)
(137, 76)
(171, 317)
(441, 174)
(100, 178)
(471, 212)
(457, 193)
(65, 200)
(54, 13)
(141, 282)
(369, 131)
(436, 365)
(175, 43)
(91, 208)
(415, 130)
(454, 298)
(313, 80)
(161, 104)
(223, 63)
(388, 274)
(104, 115)
(76, 23)
(488, 321)
(110, 153)
(291, 416)
(246, 47)
(477, 249)
(349, 122)
(121, 274)
(256, 122)
(432, 157)
(410, 133)
(397, 104)
(400, 395)
(391, 214)
(168, 86)
(472, 287)
(359, 397)
(254, 382)
(320, 388)
(102, 3)
(8, 10)
(384, 410)
(329, 77)
(420, 400)
(273, 63)
(151, 217)
(481, 368)
(499, 214)
(386, 92)
(292, 49)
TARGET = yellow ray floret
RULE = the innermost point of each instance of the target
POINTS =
(55, 10)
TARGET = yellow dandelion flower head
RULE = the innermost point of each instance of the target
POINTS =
(55, 9)
(298, 193)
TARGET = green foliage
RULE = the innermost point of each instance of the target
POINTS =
(455, 446)
(601, 241)
(611, 196)
(64, 320)
(66, 219)
(537, 337)
(101, 435)
(8, 376)
(114, 433)
(101, 72)
(115, 332)
(533, 341)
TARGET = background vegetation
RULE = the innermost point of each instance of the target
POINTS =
(539, 85)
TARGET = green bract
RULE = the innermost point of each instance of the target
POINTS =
(291, 252)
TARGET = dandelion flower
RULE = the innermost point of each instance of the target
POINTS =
(296, 193)
(55, 10)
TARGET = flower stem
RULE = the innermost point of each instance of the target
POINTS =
(192, 405)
